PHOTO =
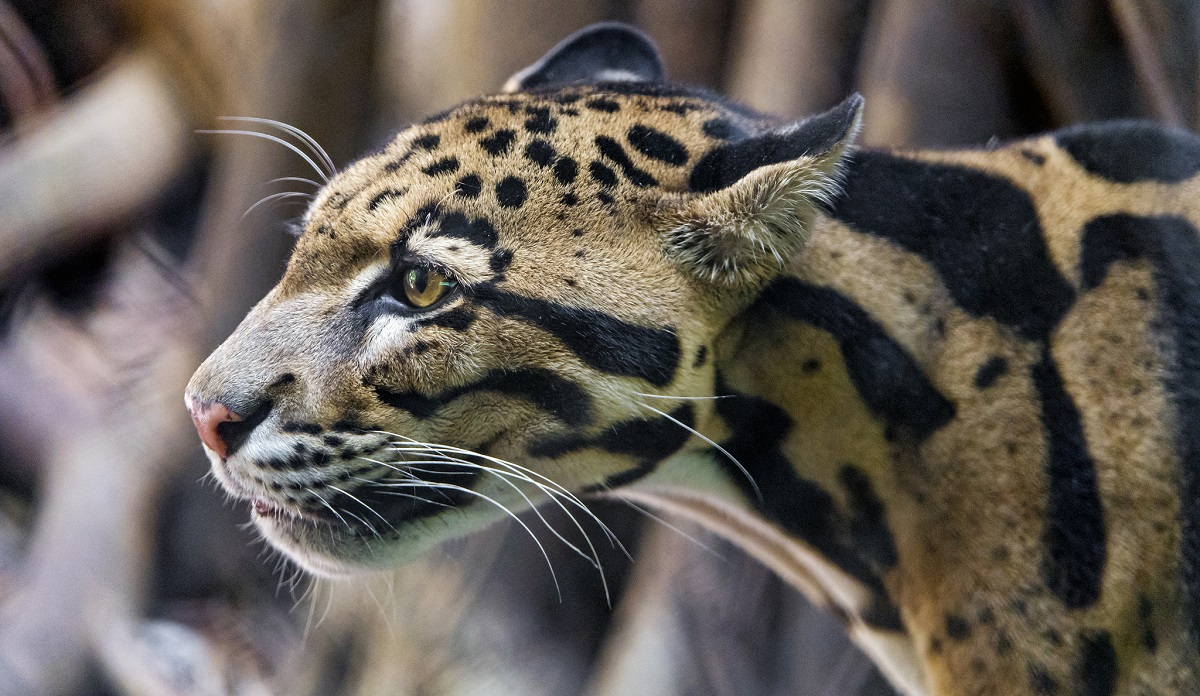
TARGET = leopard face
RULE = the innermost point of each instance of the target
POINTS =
(513, 303)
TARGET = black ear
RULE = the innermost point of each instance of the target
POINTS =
(604, 52)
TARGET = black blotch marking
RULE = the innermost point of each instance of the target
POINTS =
(477, 231)
(613, 151)
(681, 108)
(500, 260)
(300, 448)
(605, 198)
(540, 120)
(427, 142)
(398, 162)
(990, 371)
(569, 199)
(470, 186)
(418, 348)
(457, 319)
(540, 152)
(868, 522)
(885, 376)
(567, 98)
(560, 397)
(565, 170)
(284, 380)
(647, 440)
(580, 253)
(498, 143)
(603, 104)
(810, 366)
(382, 196)
(657, 145)
(721, 129)
(1172, 246)
(511, 192)
(1035, 157)
(333, 441)
(570, 282)
(701, 357)
(1130, 151)
(801, 506)
(1041, 682)
(578, 232)
(298, 427)
(442, 166)
(1096, 673)
(957, 627)
(476, 124)
(604, 176)
(602, 341)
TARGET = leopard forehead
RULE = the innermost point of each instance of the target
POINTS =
(534, 168)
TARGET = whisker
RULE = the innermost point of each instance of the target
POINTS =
(276, 197)
(288, 128)
(685, 398)
(300, 179)
(368, 507)
(722, 450)
(272, 138)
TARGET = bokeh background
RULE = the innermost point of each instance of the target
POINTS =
(126, 254)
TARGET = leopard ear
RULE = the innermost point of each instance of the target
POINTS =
(603, 52)
(752, 202)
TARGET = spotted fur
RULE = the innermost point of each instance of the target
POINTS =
(958, 391)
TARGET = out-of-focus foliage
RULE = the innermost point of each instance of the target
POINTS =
(125, 256)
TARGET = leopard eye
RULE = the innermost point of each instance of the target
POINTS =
(422, 287)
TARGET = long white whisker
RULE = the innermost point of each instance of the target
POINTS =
(722, 450)
(275, 197)
(368, 507)
(326, 504)
(287, 127)
(300, 179)
(274, 139)
(685, 398)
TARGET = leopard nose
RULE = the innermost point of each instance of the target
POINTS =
(222, 429)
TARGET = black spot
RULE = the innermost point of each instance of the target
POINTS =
(382, 196)
(569, 199)
(1097, 670)
(298, 427)
(810, 366)
(578, 232)
(560, 397)
(681, 108)
(333, 441)
(604, 176)
(600, 340)
(603, 104)
(613, 151)
(477, 231)
(540, 120)
(720, 129)
(1004, 643)
(457, 319)
(469, 186)
(511, 192)
(397, 163)
(801, 506)
(427, 142)
(476, 124)
(1172, 246)
(1130, 151)
(868, 523)
(442, 166)
(498, 143)
(565, 170)
(935, 645)
(418, 348)
(1035, 157)
(1041, 682)
(957, 627)
(284, 380)
(889, 381)
(500, 260)
(658, 145)
(990, 371)
(701, 357)
(605, 198)
(540, 152)
(570, 282)
(580, 253)
(987, 616)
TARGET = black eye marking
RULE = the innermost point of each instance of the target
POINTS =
(382, 196)
(560, 397)
(602, 104)
(565, 170)
(657, 145)
(427, 142)
(511, 192)
(613, 151)
(442, 166)
(602, 174)
(497, 143)
(469, 186)
(540, 152)
(476, 124)
(457, 319)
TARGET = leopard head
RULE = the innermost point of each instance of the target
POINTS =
(513, 303)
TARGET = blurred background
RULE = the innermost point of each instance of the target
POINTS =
(126, 254)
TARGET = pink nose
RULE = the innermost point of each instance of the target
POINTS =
(207, 415)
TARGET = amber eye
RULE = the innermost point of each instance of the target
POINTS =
(421, 287)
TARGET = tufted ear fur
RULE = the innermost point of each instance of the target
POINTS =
(752, 201)
(604, 52)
